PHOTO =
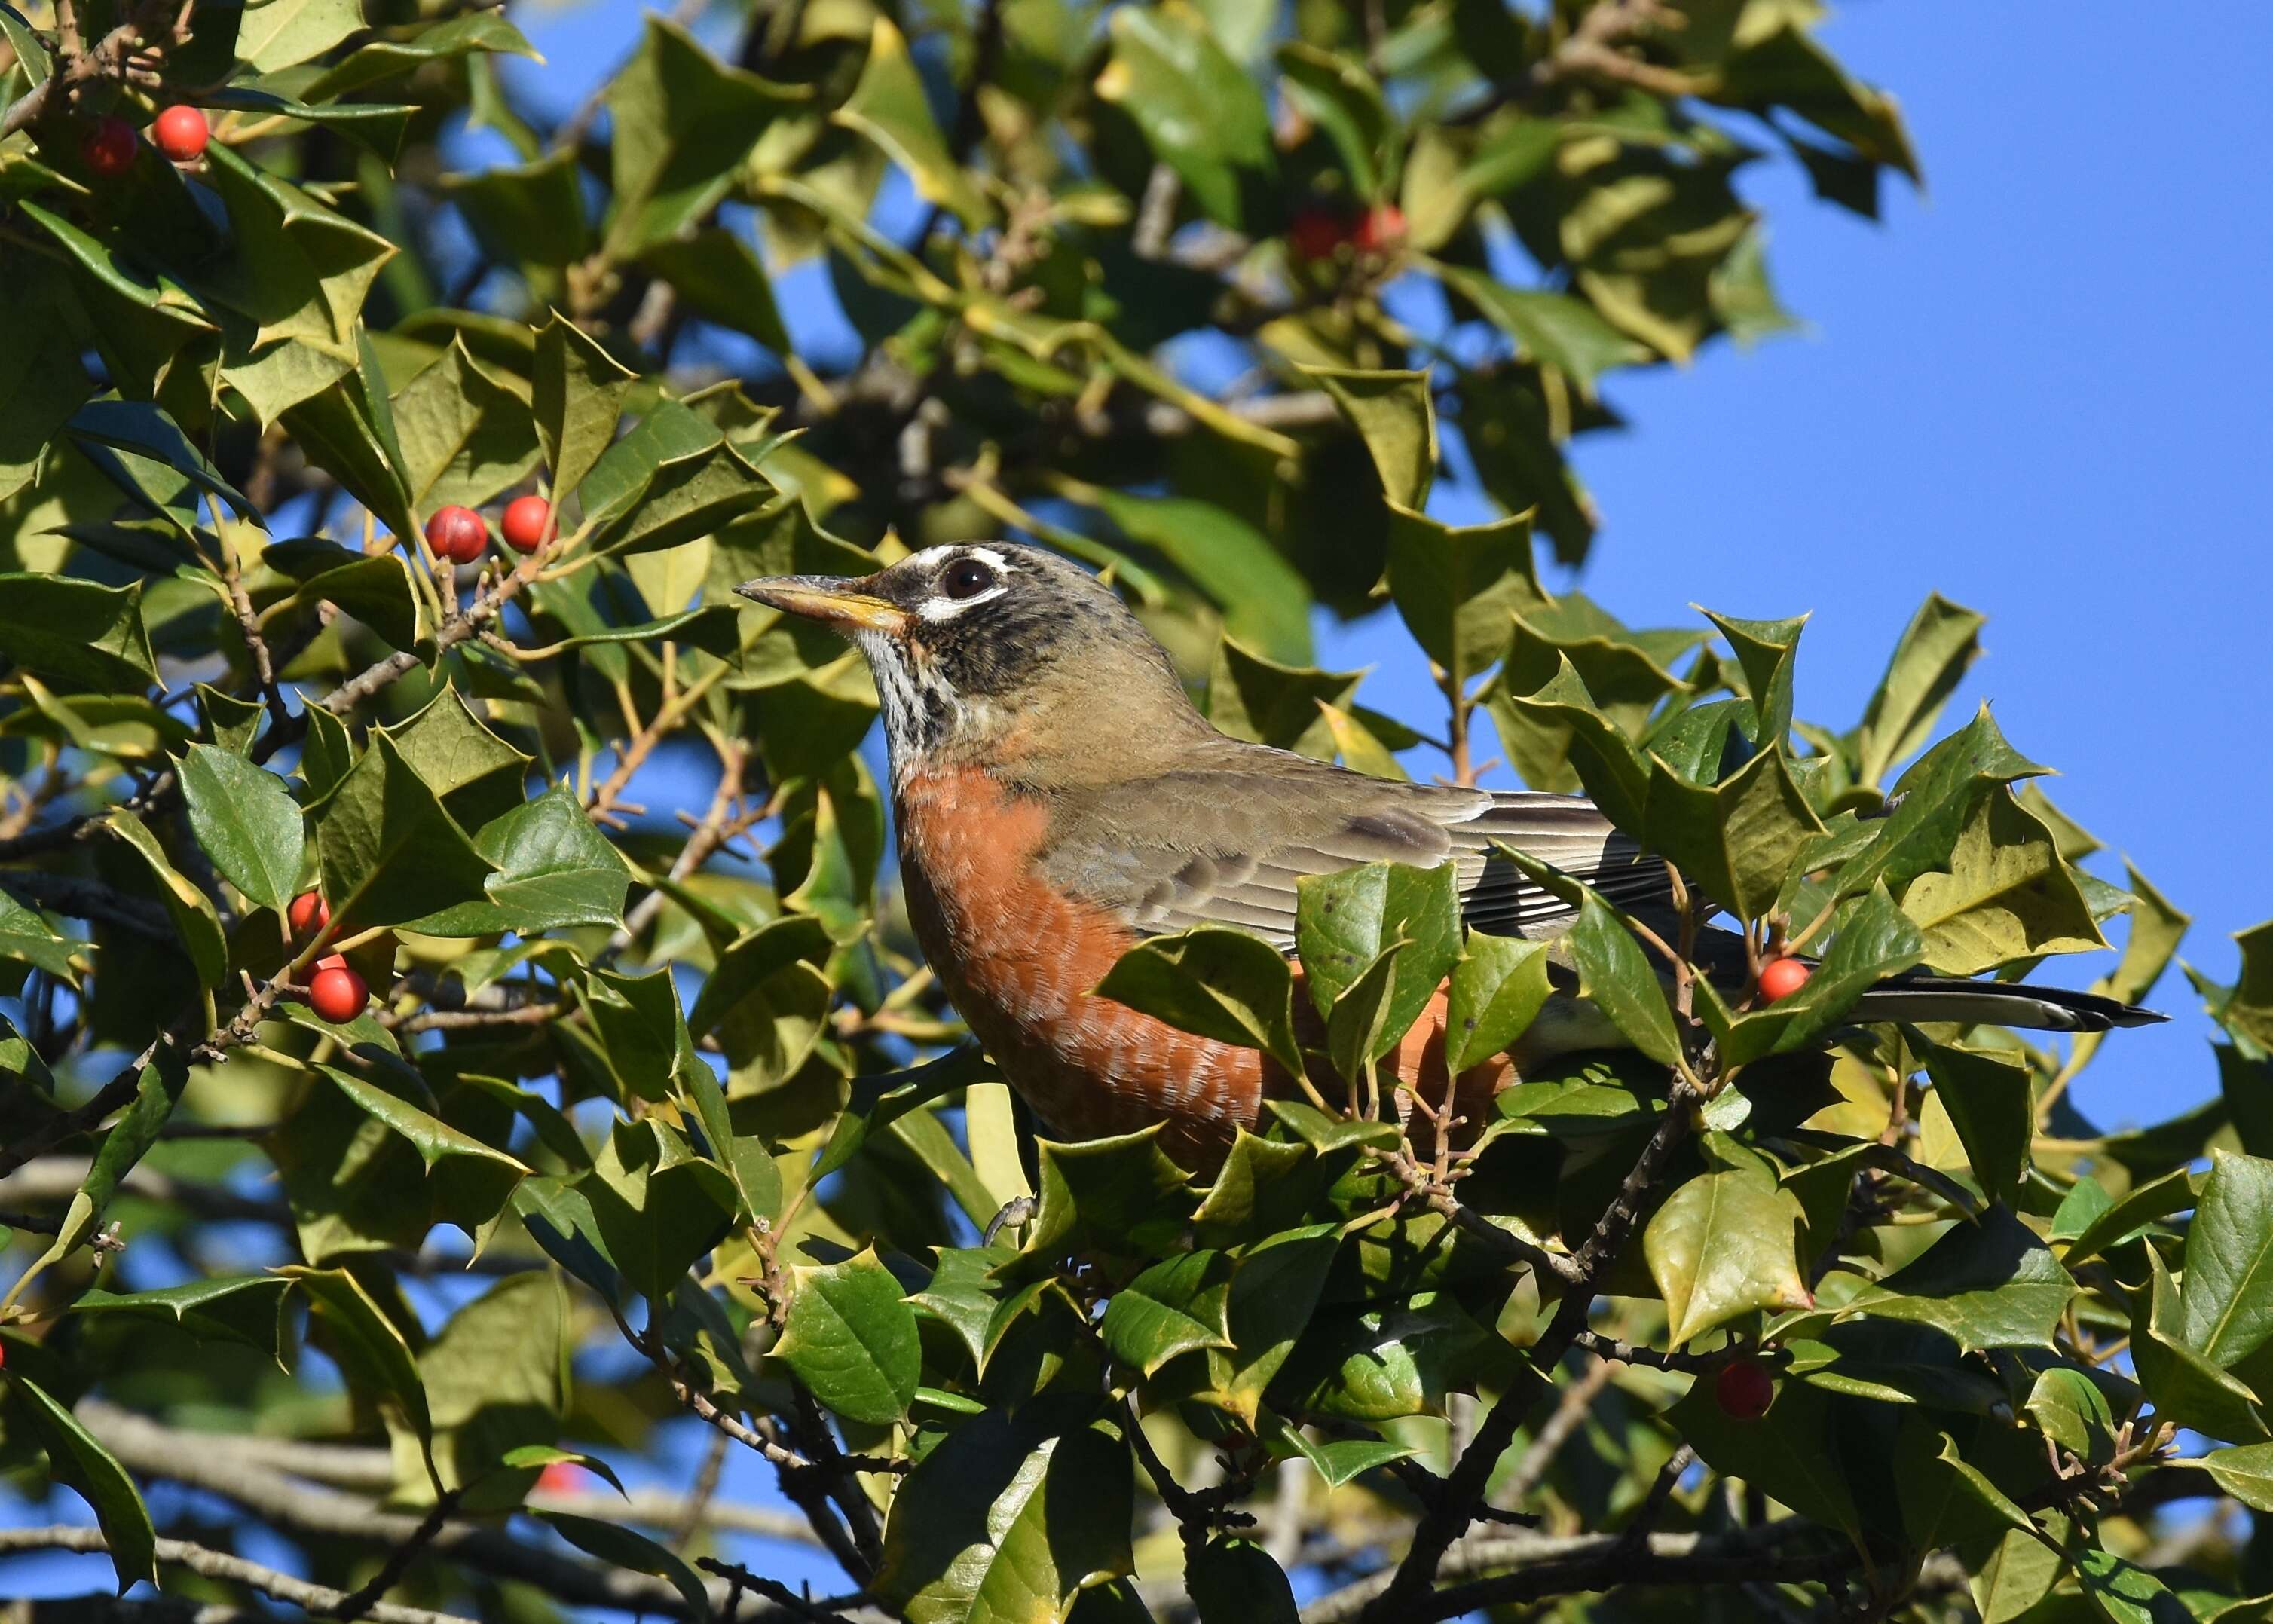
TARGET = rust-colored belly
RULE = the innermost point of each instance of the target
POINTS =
(1019, 960)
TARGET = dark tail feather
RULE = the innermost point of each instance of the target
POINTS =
(1997, 1003)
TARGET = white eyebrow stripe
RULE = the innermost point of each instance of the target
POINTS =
(937, 608)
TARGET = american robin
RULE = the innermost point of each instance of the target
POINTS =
(1058, 798)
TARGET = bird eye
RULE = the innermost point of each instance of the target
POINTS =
(966, 578)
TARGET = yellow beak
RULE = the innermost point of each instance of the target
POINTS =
(834, 601)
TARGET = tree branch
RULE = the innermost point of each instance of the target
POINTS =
(1403, 1598)
(159, 1451)
(211, 1564)
(1542, 1565)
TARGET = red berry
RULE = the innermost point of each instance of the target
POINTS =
(110, 147)
(457, 534)
(337, 993)
(1743, 1389)
(1381, 230)
(1315, 232)
(1780, 978)
(309, 912)
(528, 523)
(558, 1478)
(180, 132)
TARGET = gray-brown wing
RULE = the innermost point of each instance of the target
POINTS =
(1226, 840)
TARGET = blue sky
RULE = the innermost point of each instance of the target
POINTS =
(2040, 389)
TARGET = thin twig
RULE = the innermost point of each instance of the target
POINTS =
(398, 1559)
(315, 1598)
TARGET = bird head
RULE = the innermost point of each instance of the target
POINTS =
(991, 654)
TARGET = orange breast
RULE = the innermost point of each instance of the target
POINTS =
(1018, 959)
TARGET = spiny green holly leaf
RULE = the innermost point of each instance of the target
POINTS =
(1455, 587)
(1120, 1194)
(2003, 893)
(77, 633)
(852, 1341)
(659, 1206)
(75, 1457)
(246, 1308)
(1939, 794)
(1986, 1284)
(246, 821)
(1738, 839)
(1766, 650)
(1176, 1305)
(1008, 1519)
(1942, 639)
(1991, 1102)
(1615, 971)
(1396, 417)
(1344, 921)
(2183, 1386)
(1202, 114)
(2226, 1299)
(1497, 988)
(677, 113)
(390, 853)
(554, 868)
(1218, 983)
(466, 434)
(368, 1346)
(1252, 697)
(889, 107)
(579, 394)
(1723, 1244)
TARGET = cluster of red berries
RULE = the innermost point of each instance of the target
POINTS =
(458, 534)
(1318, 230)
(334, 991)
(108, 148)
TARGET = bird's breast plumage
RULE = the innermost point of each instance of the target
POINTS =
(1019, 957)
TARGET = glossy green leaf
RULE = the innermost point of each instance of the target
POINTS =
(2226, 1296)
(78, 1458)
(1941, 642)
(620, 1548)
(1615, 971)
(1175, 1307)
(2004, 894)
(75, 631)
(1234, 1580)
(197, 925)
(1218, 983)
(676, 112)
(579, 394)
(1122, 1194)
(390, 853)
(1200, 112)
(852, 1339)
(248, 825)
(1496, 990)
(278, 33)
(1724, 1244)
(246, 1308)
(1396, 417)
(1006, 1519)
(889, 107)
(1992, 1104)
(1455, 587)
(1987, 1285)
